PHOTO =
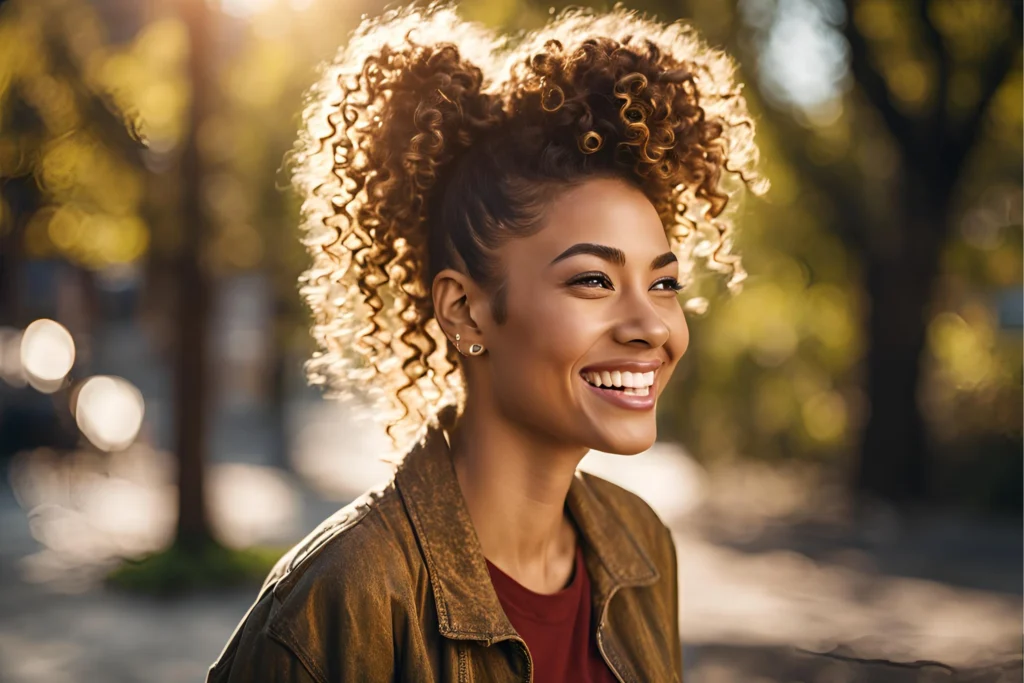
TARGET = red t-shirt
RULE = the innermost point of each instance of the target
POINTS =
(556, 627)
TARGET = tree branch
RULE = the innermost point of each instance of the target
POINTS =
(838, 187)
(871, 82)
(962, 141)
(113, 127)
(936, 127)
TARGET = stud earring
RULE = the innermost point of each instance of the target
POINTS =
(474, 349)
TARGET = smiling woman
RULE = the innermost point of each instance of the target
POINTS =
(499, 236)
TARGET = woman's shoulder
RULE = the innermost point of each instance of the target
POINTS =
(344, 578)
(359, 535)
(364, 551)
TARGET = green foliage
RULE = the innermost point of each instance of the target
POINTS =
(771, 373)
(179, 570)
(62, 136)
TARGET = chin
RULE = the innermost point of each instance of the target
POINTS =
(624, 441)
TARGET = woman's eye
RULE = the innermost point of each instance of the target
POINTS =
(668, 284)
(592, 280)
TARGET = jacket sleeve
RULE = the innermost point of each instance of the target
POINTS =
(328, 628)
(673, 576)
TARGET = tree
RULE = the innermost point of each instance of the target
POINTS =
(192, 404)
(898, 230)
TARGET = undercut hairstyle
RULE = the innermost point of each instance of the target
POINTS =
(429, 141)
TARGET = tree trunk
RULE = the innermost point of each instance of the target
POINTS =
(278, 402)
(894, 457)
(21, 198)
(193, 305)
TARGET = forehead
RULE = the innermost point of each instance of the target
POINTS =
(603, 211)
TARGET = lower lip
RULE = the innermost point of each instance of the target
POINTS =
(624, 400)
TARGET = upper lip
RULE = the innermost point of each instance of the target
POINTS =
(627, 365)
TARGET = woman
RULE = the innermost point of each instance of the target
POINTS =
(496, 259)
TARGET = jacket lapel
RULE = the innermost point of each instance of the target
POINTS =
(614, 561)
(619, 555)
(467, 605)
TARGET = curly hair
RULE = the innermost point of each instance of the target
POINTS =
(430, 140)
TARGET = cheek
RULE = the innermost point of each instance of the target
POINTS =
(541, 343)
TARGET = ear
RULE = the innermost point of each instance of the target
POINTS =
(457, 306)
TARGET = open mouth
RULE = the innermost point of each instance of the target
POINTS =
(629, 383)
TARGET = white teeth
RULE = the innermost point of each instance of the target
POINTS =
(642, 391)
(622, 379)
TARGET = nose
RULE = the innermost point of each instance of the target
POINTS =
(641, 323)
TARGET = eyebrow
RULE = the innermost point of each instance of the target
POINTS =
(663, 260)
(611, 254)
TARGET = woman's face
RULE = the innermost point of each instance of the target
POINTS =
(594, 328)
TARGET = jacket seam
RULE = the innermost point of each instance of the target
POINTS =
(304, 658)
(331, 534)
(463, 664)
(624, 671)
(228, 653)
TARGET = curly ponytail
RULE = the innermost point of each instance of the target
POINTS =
(388, 115)
(419, 153)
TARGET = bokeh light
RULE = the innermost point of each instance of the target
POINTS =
(805, 57)
(90, 509)
(47, 354)
(250, 504)
(109, 412)
(338, 455)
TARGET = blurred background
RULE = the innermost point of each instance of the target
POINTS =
(840, 454)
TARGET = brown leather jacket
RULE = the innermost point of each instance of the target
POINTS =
(394, 587)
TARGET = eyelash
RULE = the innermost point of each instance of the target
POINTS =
(673, 284)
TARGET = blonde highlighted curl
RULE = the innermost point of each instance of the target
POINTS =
(411, 113)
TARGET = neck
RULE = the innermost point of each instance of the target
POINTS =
(515, 484)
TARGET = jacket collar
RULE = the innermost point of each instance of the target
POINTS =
(467, 606)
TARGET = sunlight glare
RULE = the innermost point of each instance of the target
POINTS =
(245, 8)
(109, 412)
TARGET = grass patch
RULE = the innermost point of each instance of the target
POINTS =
(179, 570)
